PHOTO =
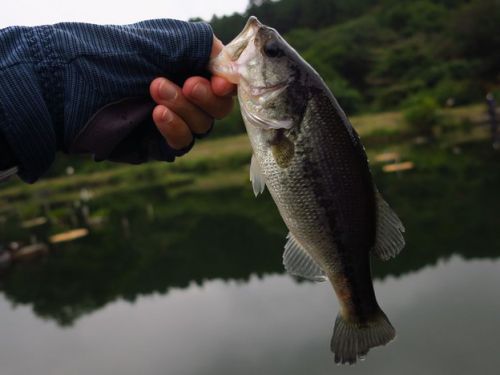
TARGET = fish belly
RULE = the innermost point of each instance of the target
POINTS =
(325, 198)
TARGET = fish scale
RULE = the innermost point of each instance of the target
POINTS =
(311, 160)
(319, 180)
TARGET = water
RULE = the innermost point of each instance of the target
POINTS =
(446, 316)
(192, 283)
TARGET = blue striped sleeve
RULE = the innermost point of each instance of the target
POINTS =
(54, 78)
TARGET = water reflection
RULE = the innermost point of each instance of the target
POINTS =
(134, 254)
(446, 315)
(152, 241)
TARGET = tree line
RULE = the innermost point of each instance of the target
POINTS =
(383, 54)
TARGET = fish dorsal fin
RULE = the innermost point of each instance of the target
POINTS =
(299, 263)
(389, 240)
(256, 177)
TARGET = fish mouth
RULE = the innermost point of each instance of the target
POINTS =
(226, 64)
(231, 61)
(233, 50)
(263, 90)
(238, 44)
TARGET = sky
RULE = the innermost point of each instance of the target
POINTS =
(38, 12)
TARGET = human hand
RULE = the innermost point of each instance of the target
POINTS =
(182, 112)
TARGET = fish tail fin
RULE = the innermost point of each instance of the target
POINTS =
(352, 340)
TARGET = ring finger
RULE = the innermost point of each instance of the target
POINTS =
(170, 95)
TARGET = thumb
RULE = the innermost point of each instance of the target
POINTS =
(217, 46)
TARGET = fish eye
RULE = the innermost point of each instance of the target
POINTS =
(273, 49)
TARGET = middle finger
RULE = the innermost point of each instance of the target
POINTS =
(171, 96)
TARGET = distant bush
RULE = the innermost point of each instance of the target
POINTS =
(392, 96)
(410, 17)
(460, 92)
(301, 39)
(422, 114)
(349, 98)
(474, 29)
(345, 49)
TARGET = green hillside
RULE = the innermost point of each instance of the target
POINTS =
(379, 55)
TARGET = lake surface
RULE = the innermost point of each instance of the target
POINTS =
(447, 317)
(192, 283)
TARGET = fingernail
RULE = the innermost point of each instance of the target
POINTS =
(167, 91)
(199, 91)
(166, 115)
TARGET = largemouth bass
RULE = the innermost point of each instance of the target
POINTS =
(312, 161)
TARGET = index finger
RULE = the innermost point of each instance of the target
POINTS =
(222, 87)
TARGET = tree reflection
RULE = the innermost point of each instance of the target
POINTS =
(448, 205)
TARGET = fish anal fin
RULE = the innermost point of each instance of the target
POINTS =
(389, 240)
(299, 263)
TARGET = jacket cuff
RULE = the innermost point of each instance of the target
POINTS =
(198, 50)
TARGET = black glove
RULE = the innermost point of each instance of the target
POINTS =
(124, 131)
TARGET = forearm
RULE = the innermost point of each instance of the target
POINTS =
(54, 78)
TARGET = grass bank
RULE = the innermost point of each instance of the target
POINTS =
(219, 163)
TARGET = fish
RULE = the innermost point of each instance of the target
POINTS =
(312, 161)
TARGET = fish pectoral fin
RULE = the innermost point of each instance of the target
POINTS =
(389, 240)
(299, 263)
(283, 150)
(256, 177)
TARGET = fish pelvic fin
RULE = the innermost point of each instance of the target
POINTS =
(389, 240)
(256, 177)
(352, 341)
